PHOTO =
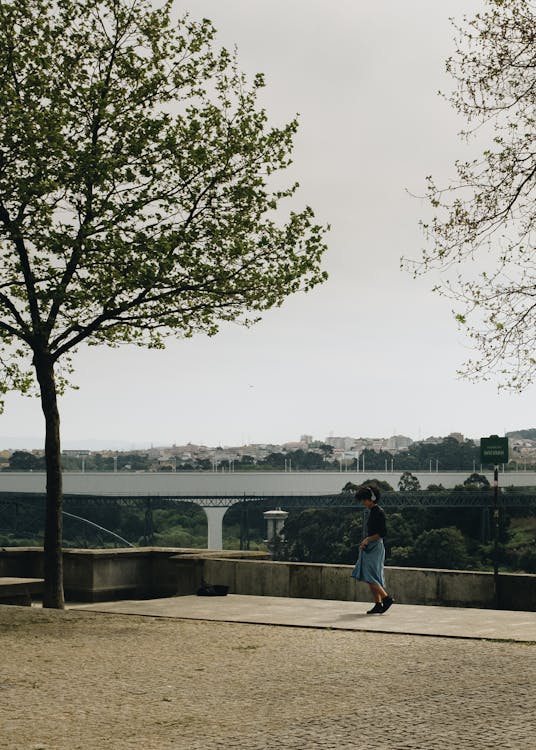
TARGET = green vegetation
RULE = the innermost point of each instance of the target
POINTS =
(426, 538)
(179, 525)
(419, 537)
(137, 198)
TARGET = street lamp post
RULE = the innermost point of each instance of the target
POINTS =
(275, 521)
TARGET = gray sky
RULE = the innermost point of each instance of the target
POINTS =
(372, 352)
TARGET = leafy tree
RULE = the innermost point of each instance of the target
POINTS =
(300, 460)
(476, 481)
(402, 529)
(527, 561)
(312, 461)
(134, 197)
(380, 483)
(489, 210)
(408, 482)
(449, 455)
(132, 462)
(24, 461)
(467, 519)
(68, 462)
(275, 461)
(439, 548)
(326, 449)
(246, 462)
(376, 459)
(103, 463)
(324, 535)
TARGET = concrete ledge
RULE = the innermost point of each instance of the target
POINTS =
(19, 591)
(149, 572)
(448, 588)
(108, 574)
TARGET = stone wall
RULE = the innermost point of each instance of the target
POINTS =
(450, 588)
(110, 574)
(99, 575)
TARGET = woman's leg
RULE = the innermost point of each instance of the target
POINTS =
(378, 592)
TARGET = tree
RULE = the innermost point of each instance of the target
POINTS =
(135, 197)
(476, 481)
(381, 484)
(378, 460)
(24, 461)
(449, 454)
(408, 482)
(329, 535)
(326, 450)
(435, 548)
(275, 461)
(488, 213)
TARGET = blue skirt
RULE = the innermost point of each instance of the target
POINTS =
(369, 565)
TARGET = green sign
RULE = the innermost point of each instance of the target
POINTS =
(494, 450)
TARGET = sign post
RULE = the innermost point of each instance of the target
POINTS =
(494, 450)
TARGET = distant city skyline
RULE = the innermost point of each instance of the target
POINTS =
(95, 444)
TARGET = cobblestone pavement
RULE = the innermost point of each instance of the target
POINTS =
(72, 680)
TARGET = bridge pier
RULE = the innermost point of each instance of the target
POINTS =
(215, 526)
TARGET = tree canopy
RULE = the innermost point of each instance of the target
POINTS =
(408, 482)
(487, 214)
(137, 194)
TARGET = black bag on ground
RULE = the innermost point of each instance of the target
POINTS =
(212, 589)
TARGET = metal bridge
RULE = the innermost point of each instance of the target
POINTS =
(13, 505)
(421, 498)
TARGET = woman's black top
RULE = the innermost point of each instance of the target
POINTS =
(376, 521)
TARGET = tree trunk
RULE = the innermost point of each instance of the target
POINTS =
(53, 553)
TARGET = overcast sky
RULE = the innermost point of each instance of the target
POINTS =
(370, 353)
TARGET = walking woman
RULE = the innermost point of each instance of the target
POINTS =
(369, 565)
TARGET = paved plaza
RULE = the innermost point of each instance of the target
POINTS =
(404, 619)
(181, 675)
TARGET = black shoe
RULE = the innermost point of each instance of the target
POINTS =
(377, 609)
(386, 603)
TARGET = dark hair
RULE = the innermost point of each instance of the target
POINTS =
(368, 492)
